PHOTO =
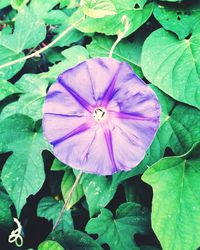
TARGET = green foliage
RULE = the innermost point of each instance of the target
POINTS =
(66, 185)
(111, 25)
(75, 240)
(28, 32)
(43, 9)
(118, 232)
(99, 8)
(49, 208)
(5, 212)
(180, 21)
(33, 92)
(173, 65)
(162, 45)
(6, 89)
(129, 52)
(18, 136)
(50, 245)
(174, 215)
(71, 59)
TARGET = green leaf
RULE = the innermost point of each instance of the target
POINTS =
(177, 131)
(7, 55)
(98, 8)
(31, 100)
(99, 190)
(58, 165)
(177, 20)
(66, 185)
(50, 245)
(29, 32)
(139, 4)
(43, 9)
(17, 4)
(180, 132)
(71, 37)
(112, 25)
(5, 212)
(118, 232)
(173, 65)
(179, 178)
(4, 4)
(73, 56)
(75, 240)
(23, 173)
(6, 89)
(125, 51)
(50, 209)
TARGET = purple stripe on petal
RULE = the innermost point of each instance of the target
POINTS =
(108, 138)
(109, 91)
(63, 115)
(100, 117)
(74, 132)
(81, 100)
(134, 116)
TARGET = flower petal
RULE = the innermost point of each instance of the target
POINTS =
(120, 140)
(91, 79)
(86, 151)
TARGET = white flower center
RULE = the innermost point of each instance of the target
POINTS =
(99, 114)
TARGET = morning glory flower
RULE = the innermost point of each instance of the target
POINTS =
(100, 117)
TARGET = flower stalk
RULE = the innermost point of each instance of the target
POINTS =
(67, 200)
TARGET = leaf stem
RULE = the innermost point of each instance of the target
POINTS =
(36, 53)
(67, 200)
(121, 35)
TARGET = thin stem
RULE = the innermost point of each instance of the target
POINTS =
(67, 200)
(119, 38)
(36, 53)
(121, 35)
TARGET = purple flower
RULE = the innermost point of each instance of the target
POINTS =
(100, 117)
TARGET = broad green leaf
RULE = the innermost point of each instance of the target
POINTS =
(31, 100)
(66, 185)
(29, 32)
(98, 8)
(71, 37)
(58, 165)
(17, 4)
(178, 20)
(112, 25)
(125, 51)
(173, 65)
(23, 173)
(139, 4)
(8, 55)
(75, 240)
(49, 208)
(6, 89)
(50, 245)
(4, 4)
(179, 128)
(64, 3)
(73, 56)
(43, 9)
(5, 212)
(118, 232)
(53, 55)
(99, 190)
(176, 216)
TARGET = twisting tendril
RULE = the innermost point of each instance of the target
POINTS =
(15, 235)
